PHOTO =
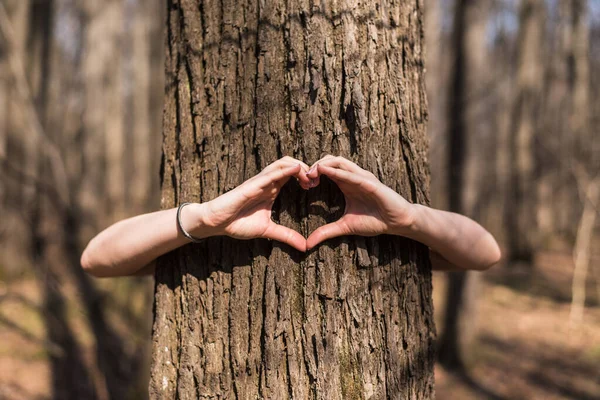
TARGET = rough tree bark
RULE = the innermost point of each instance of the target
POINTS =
(246, 83)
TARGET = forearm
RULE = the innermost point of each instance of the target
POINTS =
(129, 245)
(460, 242)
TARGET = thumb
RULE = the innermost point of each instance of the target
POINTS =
(285, 235)
(329, 231)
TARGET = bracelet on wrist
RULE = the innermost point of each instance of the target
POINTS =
(181, 228)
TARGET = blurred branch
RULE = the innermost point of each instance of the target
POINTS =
(32, 117)
(49, 346)
(585, 184)
(40, 185)
(45, 188)
(577, 169)
(20, 299)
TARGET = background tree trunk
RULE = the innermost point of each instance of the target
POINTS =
(520, 213)
(465, 168)
(246, 83)
(436, 83)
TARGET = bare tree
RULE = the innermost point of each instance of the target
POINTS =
(583, 166)
(464, 169)
(520, 216)
(589, 192)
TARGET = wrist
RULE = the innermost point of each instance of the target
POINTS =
(194, 220)
(411, 226)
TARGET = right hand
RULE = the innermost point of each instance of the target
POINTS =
(245, 212)
(372, 208)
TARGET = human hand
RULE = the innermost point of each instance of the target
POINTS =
(372, 208)
(245, 212)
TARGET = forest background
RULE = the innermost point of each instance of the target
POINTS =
(514, 108)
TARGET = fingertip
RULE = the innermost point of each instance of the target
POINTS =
(303, 247)
(299, 243)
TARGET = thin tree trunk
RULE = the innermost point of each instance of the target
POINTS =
(4, 102)
(246, 83)
(435, 79)
(501, 75)
(582, 250)
(464, 169)
(69, 374)
(114, 85)
(579, 122)
(157, 83)
(580, 55)
(140, 122)
(521, 201)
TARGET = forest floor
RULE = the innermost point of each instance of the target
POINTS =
(526, 350)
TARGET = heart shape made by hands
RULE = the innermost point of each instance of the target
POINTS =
(345, 200)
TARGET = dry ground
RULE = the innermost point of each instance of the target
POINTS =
(527, 348)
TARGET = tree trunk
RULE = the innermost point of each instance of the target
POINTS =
(520, 213)
(246, 83)
(582, 249)
(436, 78)
(579, 77)
(464, 169)
(4, 113)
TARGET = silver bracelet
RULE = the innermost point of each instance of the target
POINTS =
(183, 231)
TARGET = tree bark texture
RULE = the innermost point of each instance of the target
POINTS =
(248, 82)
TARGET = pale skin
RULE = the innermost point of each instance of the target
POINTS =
(131, 246)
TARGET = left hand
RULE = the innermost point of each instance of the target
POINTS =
(245, 212)
(372, 208)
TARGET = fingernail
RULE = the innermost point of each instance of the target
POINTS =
(311, 170)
